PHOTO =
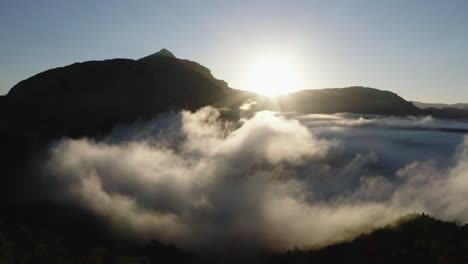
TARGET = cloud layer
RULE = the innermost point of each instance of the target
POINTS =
(272, 181)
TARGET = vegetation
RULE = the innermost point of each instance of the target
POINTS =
(53, 233)
(43, 232)
(415, 239)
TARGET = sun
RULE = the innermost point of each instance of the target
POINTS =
(273, 76)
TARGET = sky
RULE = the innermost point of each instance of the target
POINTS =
(416, 49)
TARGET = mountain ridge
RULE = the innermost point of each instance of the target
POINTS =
(89, 98)
(422, 105)
(358, 99)
(415, 238)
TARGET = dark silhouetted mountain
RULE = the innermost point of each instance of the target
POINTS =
(87, 98)
(444, 110)
(452, 113)
(439, 105)
(355, 99)
(416, 239)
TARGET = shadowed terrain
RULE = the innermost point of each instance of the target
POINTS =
(415, 239)
(440, 106)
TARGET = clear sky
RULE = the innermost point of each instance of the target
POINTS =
(418, 49)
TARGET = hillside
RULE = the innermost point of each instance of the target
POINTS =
(439, 105)
(71, 235)
(352, 100)
(86, 98)
(416, 239)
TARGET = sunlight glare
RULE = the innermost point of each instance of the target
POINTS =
(273, 76)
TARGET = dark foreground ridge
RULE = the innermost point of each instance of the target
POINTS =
(415, 239)
(71, 235)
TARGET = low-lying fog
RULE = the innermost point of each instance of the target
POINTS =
(272, 181)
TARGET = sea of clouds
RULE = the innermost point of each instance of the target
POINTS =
(270, 181)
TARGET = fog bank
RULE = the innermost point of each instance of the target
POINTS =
(270, 181)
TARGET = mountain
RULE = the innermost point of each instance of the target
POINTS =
(85, 99)
(444, 110)
(88, 99)
(355, 99)
(439, 105)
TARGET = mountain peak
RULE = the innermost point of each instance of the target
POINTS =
(162, 53)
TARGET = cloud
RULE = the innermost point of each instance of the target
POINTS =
(248, 105)
(268, 182)
(438, 191)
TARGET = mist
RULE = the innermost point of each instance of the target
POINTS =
(271, 181)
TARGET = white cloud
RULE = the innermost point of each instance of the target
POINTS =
(270, 181)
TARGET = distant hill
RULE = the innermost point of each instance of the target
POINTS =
(439, 106)
(355, 99)
(444, 110)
